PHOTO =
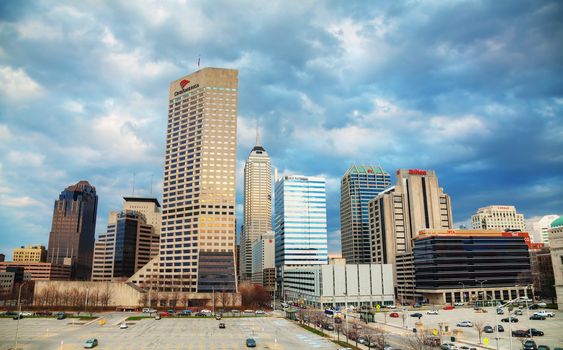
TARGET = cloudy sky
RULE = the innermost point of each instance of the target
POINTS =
(472, 89)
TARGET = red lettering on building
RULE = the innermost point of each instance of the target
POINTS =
(184, 82)
(417, 172)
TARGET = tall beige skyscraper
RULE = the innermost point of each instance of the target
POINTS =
(396, 215)
(257, 204)
(198, 220)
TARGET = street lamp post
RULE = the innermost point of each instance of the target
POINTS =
(462, 291)
(19, 315)
(482, 290)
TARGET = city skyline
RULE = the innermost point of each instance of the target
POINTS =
(357, 98)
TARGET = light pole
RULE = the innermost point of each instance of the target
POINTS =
(19, 314)
(482, 290)
(462, 291)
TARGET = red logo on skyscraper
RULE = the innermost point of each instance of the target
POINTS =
(184, 82)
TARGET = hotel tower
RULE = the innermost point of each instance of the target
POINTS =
(197, 244)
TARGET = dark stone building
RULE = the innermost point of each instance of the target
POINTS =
(71, 241)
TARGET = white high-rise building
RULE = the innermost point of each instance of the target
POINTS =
(197, 245)
(257, 204)
(300, 221)
(263, 261)
(540, 229)
(498, 217)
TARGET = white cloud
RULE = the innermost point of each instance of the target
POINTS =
(25, 158)
(74, 106)
(37, 29)
(4, 132)
(16, 84)
(18, 202)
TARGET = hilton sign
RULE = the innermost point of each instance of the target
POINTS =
(185, 88)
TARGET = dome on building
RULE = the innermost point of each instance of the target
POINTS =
(557, 222)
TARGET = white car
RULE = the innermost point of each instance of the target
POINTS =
(260, 312)
(432, 312)
(544, 313)
(393, 306)
(465, 324)
(207, 312)
(26, 313)
(459, 303)
(149, 310)
(123, 326)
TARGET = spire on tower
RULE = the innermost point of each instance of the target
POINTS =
(258, 133)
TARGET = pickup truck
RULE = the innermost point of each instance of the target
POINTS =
(544, 313)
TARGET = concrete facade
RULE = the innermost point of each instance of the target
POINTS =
(40, 271)
(339, 285)
(30, 253)
(556, 248)
(396, 215)
(263, 259)
(149, 207)
(6, 281)
(498, 217)
(257, 205)
(127, 246)
(198, 198)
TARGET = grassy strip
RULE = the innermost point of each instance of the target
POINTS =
(137, 318)
(345, 345)
(312, 330)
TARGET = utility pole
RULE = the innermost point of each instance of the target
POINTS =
(19, 314)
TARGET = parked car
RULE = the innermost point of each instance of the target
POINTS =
(518, 312)
(448, 307)
(44, 313)
(17, 317)
(186, 312)
(488, 329)
(529, 345)
(259, 312)
(164, 314)
(500, 328)
(520, 333)
(221, 325)
(535, 332)
(416, 314)
(465, 347)
(147, 310)
(543, 347)
(541, 305)
(200, 314)
(544, 313)
(448, 346)
(465, 324)
(392, 306)
(394, 314)
(90, 343)
(537, 317)
(123, 326)
(458, 303)
(250, 343)
(500, 311)
(432, 312)
(26, 313)
(61, 316)
(217, 317)
(171, 312)
(328, 327)
(157, 317)
(509, 319)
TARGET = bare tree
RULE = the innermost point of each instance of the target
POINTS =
(422, 341)
(479, 326)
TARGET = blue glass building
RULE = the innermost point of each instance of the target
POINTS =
(359, 185)
(300, 221)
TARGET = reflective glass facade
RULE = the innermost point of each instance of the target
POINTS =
(300, 221)
(443, 262)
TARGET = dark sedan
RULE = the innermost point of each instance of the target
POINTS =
(535, 332)
(520, 333)
(537, 317)
(416, 314)
(509, 319)
(488, 329)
